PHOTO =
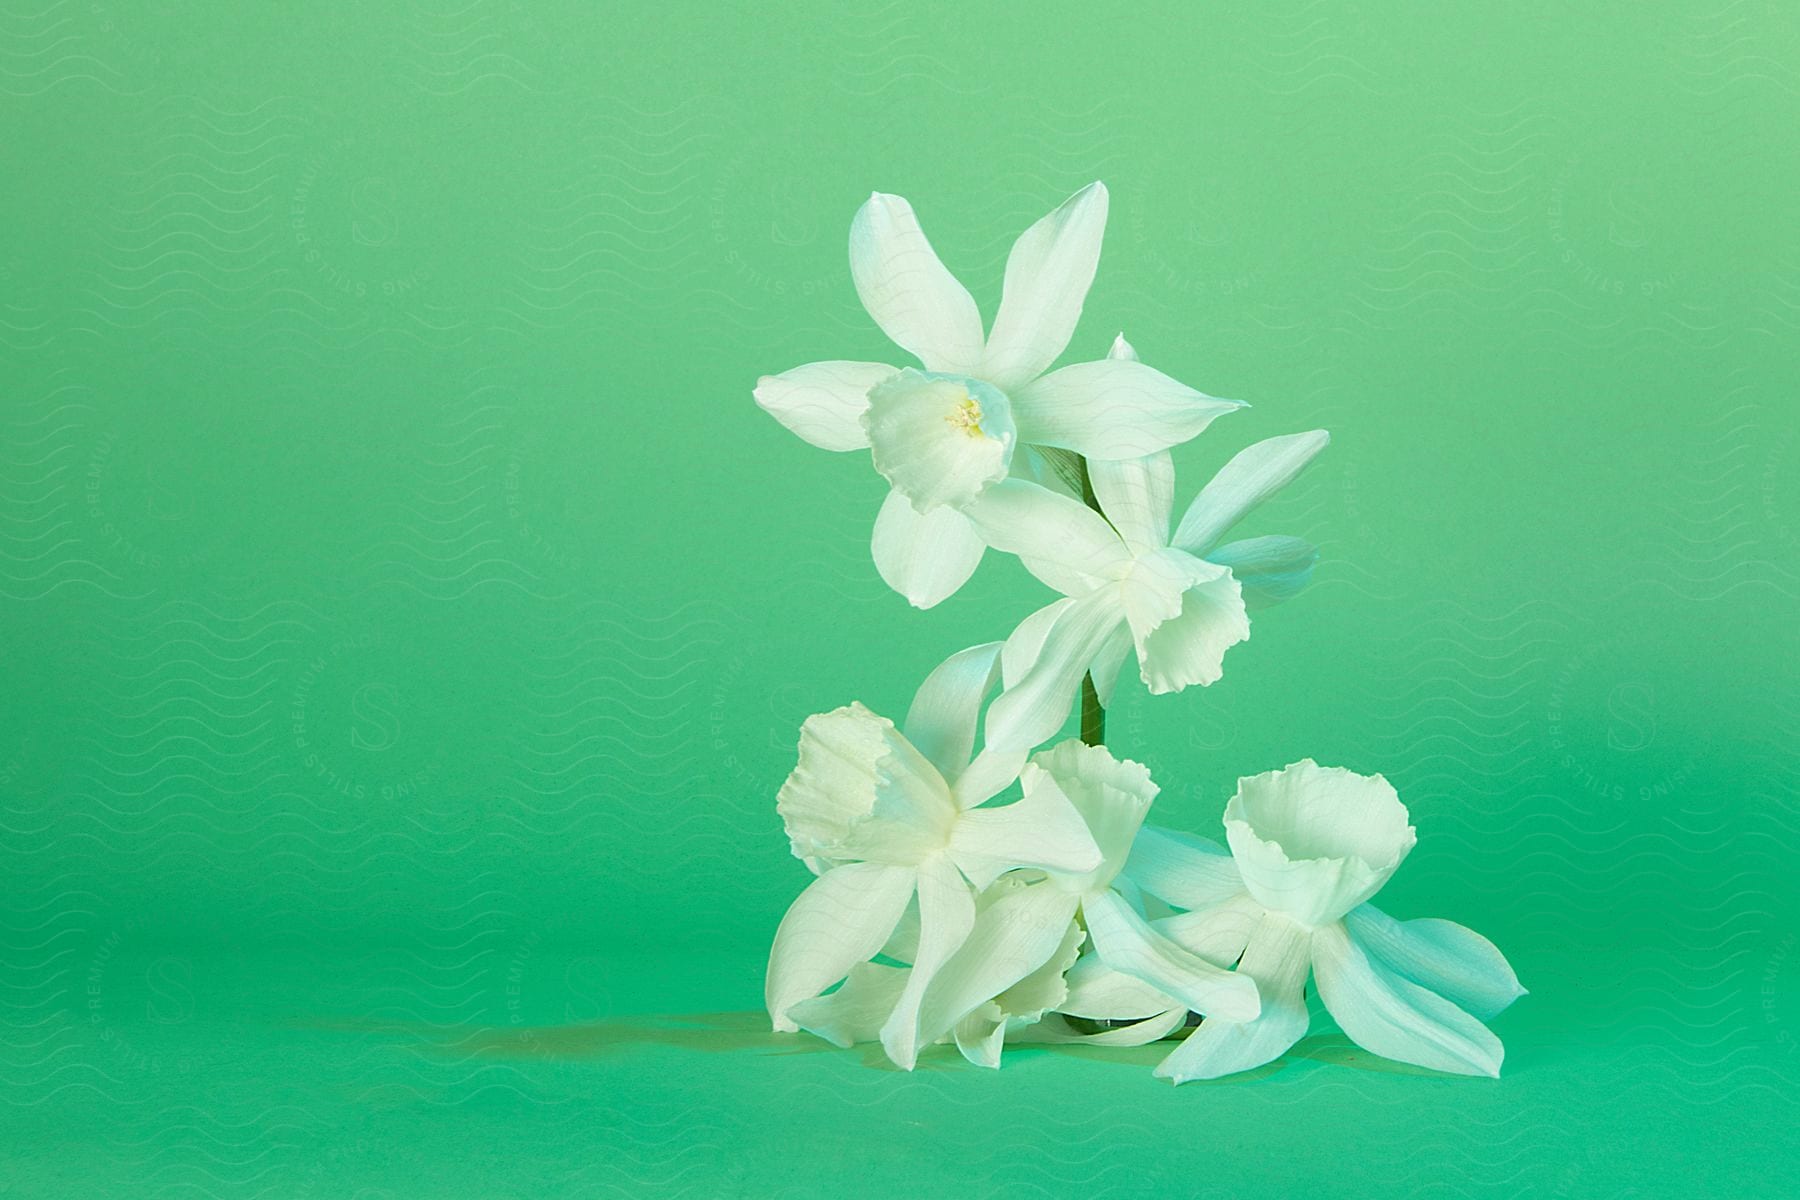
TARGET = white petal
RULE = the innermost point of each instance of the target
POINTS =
(1277, 957)
(914, 299)
(1184, 613)
(1136, 495)
(1187, 871)
(1041, 831)
(1111, 795)
(1047, 466)
(1018, 927)
(924, 556)
(1045, 988)
(1270, 569)
(1030, 712)
(903, 944)
(1047, 279)
(981, 1035)
(1252, 476)
(1105, 668)
(947, 707)
(823, 402)
(1020, 1007)
(1122, 349)
(1126, 943)
(1218, 934)
(946, 914)
(861, 791)
(1150, 592)
(1033, 522)
(1113, 408)
(1395, 1018)
(841, 919)
(991, 772)
(1054, 1029)
(855, 1012)
(1027, 641)
(1059, 578)
(1101, 993)
(939, 439)
(1314, 842)
(1440, 956)
(1141, 1033)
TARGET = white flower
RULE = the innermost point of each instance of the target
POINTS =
(887, 817)
(1008, 970)
(1309, 846)
(944, 434)
(1178, 599)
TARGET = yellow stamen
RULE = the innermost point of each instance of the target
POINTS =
(967, 417)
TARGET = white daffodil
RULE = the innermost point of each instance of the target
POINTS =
(943, 434)
(1309, 846)
(1127, 582)
(887, 816)
(999, 978)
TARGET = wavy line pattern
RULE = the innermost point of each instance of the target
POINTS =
(54, 537)
(627, 224)
(451, 48)
(409, 616)
(67, 45)
(1470, 230)
(1736, 48)
(201, 229)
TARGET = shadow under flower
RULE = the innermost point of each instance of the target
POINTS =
(749, 1033)
(711, 1033)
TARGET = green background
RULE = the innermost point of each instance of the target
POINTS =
(408, 614)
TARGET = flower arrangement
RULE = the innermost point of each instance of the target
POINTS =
(945, 909)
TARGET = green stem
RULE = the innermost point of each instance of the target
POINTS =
(1093, 713)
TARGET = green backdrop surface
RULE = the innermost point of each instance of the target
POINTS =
(408, 614)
